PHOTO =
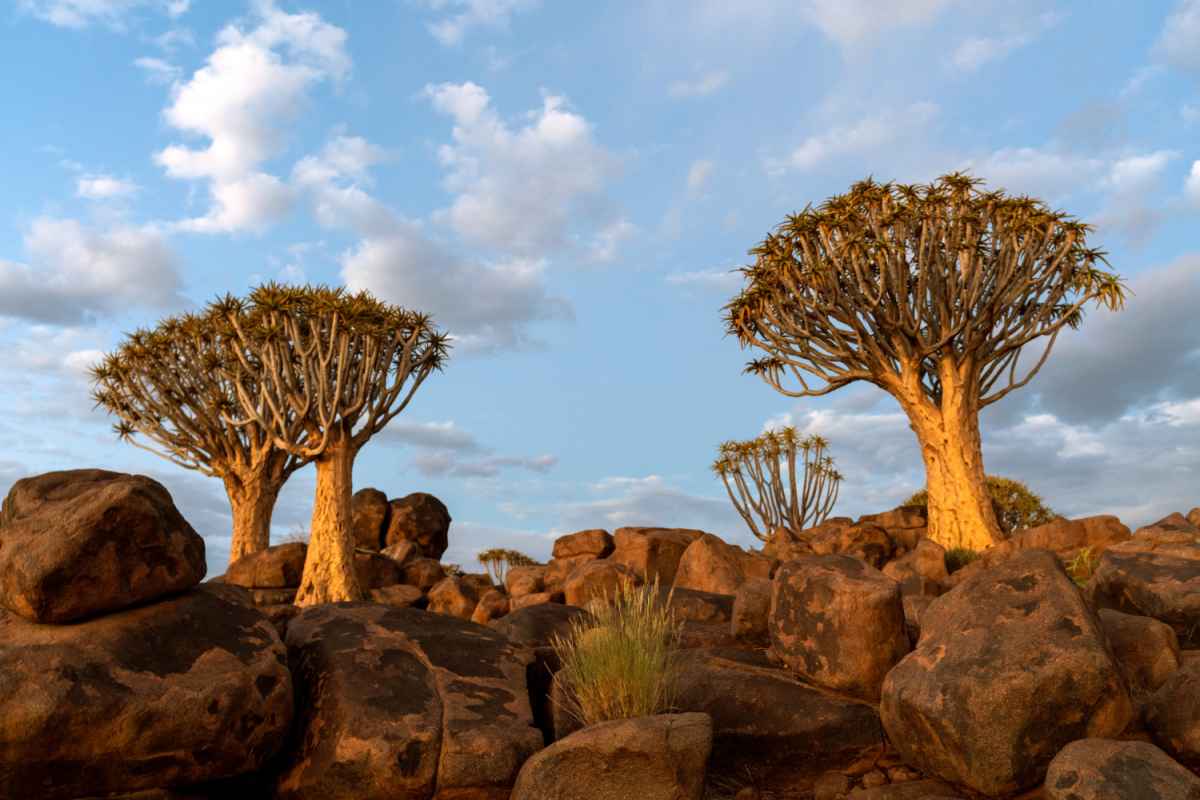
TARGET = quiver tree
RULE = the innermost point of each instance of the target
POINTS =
(497, 560)
(929, 292)
(169, 386)
(753, 474)
(1016, 507)
(323, 370)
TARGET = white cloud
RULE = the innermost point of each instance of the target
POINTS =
(82, 13)
(157, 70)
(527, 190)
(1137, 173)
(718, 279)
(103, 187)
(1179, 42)
(446, 435)
(74, 273)
(254, 82)
(467, 14)
(446, 464)
(1192, 184)
(608, 240)
(1038, 172)
(867, 134)
(702, 86)
(975, 51)
(698, 175)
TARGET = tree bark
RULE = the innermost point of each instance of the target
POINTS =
(960, 509)
(329, 574)
(252, 502)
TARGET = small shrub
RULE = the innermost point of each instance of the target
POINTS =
(959, 557)
(298, 533)
(1081, 567)
(453, 570)
(620, 660)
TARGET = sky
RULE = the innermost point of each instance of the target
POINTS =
(567, 188)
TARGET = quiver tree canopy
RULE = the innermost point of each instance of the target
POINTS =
(753, 472)
(169, 386)
(323, 370)
(929, 292)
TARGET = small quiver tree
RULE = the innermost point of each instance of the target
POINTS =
(752, 472)
(497, 560)
(323, 371)
(168, 386)
(930, 293)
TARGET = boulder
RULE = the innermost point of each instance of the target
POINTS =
(1146, 649)
(419, 518)
(453, 596)
(694, 606)
(865, 540)
(1172, 714)
(662, 757)
(480, 581)
(277, 567)
(188, 689)
(927, 789)
(492, 605)
(535, 599)
(596, 580)
(520, 581)
(1172, 523)
(404, 704)
(767, 723)
(653, 553)
(710, 564)
(915, 606)
(920, 571)
(1105, 769)
(1066, 537)
(784, 544)
(423, 573)
(1011, 666)
(84, 542)
(905, 525)
(1193, 516)
(369, 518)
(838, 622)
(402, 552)
(751, 608)
(398, 594)
(1161, 581)
(594, 542)
(559, 569)
(376, 570)
(280, 616)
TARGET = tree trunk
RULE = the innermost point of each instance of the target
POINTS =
(329, 574)
(252, 503)
(960, 509)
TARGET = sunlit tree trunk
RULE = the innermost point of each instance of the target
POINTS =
(329, 575)
(252, 502)
(960, 509)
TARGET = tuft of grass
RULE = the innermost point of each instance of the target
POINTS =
(1081, 567)
(959, 557)
(620, 660)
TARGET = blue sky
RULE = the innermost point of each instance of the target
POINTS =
(565, 187)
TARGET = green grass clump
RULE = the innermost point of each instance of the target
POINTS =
(959, 557)
(1081, 567)
(620, 660)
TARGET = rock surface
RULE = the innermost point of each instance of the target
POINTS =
(369, 517)
(1173, 714)
(405, 705)
(596, 580)
(1011, 666)
(653, 553)
(84, 542)
(1147, 649)
(1105, 769)
(453, 596)
(751, 608)
(420, 518)
(277, 567)
(712, 565)
(594, 542)
(1153, 576)
(648, 758)
(520, 581)
(181, 691)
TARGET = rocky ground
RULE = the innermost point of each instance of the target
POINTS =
(841, 661)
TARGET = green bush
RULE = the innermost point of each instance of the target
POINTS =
(620, 660)
(1016, 507)
(959, 557)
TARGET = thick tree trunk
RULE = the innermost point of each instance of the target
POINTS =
(329, 575)
(960, 508)
(252, 505)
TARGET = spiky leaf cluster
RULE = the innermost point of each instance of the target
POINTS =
(318, 362)
(171, 385)
(889, 282)
(753, 472)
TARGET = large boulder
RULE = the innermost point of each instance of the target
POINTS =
(1011, 666)
(454, 596)
(1152, 576)
(710, 564)
(1147, 649)
(399, 594)
(277, 567)
(784, 544)
(1193, 516)
(84, 542)
(520, 581)
(1106, 769)
(375, 571)
(405, 705)
(751, 609)
(559, 569)
(920, 571)
(905, 525)
(594, 542)
(597, 580)
(172, 693)
(369, 517)
(767, 723)
(423, 573)
(653, 553)
(492, 604)
(865, 540)
(662, 757)
(1067, 537)
(1173, 522)
(420, 518)
(838, 622)
(1172, 714)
